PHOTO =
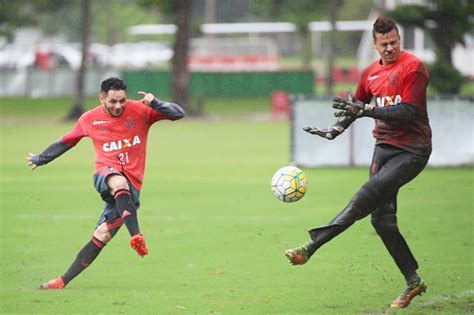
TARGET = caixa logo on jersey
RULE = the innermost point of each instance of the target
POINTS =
(385, 101)
(121, 144)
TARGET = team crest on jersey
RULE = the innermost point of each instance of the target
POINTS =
(121, 144)
(130, 123)
(393, 78)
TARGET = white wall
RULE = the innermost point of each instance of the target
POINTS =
(452, 123)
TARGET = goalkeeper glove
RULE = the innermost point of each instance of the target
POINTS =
(350, 107)
(334, 131)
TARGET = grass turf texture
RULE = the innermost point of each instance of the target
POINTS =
(216, 233)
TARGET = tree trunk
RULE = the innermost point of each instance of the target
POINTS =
(78, 106)
(332, 47)
(307, 53)
(179, 71)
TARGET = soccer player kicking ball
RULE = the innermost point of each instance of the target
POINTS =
(118, 128)
(398, 82)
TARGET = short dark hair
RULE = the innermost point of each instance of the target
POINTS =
(112, 84)
(384, 25)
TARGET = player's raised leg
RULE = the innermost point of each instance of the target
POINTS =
(102, 235)
(120, 189)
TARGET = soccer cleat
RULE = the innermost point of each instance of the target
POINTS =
(297, 256)
(57, 283)
(408, 294)
(138, 244)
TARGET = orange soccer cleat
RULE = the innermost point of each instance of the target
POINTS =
(138, 244)
(408, 294)
(298, 256)
(55, 284)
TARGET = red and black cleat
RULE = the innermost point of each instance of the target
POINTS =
(55, 284)
(138, 244)
(417, 288)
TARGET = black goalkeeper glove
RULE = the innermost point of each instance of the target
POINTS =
(335, 130)
(350, 107)
(348, 110)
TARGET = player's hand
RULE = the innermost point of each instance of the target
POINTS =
(350, 106)
(147, 98)
(30, 163)
(327, 133)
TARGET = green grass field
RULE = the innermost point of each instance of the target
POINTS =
(216, 233)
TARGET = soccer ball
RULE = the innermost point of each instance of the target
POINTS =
(289, 184)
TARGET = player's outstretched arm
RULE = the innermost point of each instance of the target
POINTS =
(353, 108)
(172, 110)
(330, 133)
(342, 122)
(50, 153)
(30, 162)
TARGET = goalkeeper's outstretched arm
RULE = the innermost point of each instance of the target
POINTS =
(330, 133)
(342, 122)
(353, 108)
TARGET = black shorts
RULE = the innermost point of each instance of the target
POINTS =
(110, 212)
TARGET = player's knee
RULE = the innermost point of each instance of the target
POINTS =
(102, 233)
(116, 183)
(385, 224)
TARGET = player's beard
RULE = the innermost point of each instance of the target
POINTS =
(115, 112)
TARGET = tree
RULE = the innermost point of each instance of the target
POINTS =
(180, 13)
(179, 72)
(300, 12)
(446, 22)
(26, 13)
(333, 6)
(78, 106)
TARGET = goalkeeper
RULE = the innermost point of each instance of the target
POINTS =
(398, 82)
(118, 128)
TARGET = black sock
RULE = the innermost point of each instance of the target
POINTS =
(127, 211)
(85, 257)
(311, 247)
(414, 278)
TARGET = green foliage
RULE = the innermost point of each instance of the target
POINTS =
(165, 6)
(439, 71)
(26, 13)
(410, 15)
(299, 12)
(354, 10)
(446, 22)
(113, 18)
